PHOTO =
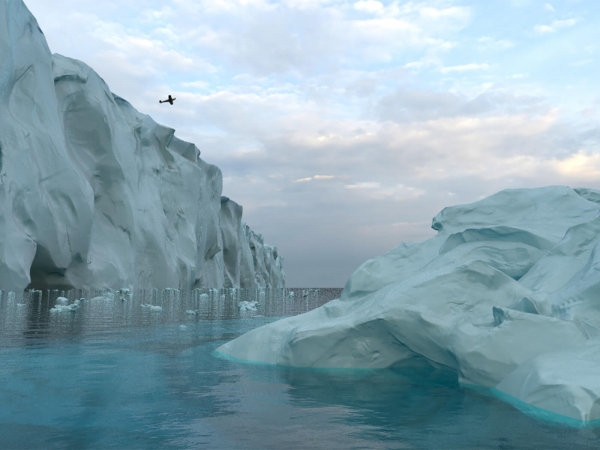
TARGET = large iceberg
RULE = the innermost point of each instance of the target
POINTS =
(507, 294)
(94, 194)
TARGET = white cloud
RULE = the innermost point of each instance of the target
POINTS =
(582, 165)
(488, 43)
(465, 68)
(582, 62)
(549, 7)
(364, 185)
(222, 6)
(369, 6)
(316, 177)
(554, 26)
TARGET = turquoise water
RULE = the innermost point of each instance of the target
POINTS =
(114, 374)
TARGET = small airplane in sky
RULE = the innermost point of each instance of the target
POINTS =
(169, 100)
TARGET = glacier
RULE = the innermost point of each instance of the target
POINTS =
(506, 294)
(96, 195)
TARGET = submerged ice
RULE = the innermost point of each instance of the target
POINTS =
(507, 294)
(94, 194)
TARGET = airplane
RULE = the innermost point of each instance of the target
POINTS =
(169, 100)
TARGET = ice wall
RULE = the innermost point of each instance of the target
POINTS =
(507, 294)
(94, 194)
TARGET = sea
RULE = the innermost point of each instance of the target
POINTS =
(138, 370)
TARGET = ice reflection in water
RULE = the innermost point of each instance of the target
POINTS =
(42, 314)
(114, 374)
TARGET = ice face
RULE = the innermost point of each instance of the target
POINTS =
(506, 294)
(96, 195)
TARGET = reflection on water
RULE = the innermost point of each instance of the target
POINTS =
(38, 315)
(115, 374)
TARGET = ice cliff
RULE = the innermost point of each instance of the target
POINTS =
(507, 294)
(94, 194)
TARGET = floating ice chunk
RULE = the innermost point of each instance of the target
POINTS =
(62, 307)
(191, 312)
(247, 306)
(62, 301)
(505, 294)
(182, 328)
(125, 294)
(152, 308)
(107, 296)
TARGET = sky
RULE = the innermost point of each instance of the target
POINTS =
(343, 127)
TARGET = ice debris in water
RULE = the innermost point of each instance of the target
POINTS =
(152, 308)
(247, 306)
(125, 294)
(191, 312)
(62, 305)
(306, 292)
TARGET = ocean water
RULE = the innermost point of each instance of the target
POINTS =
(115, 374)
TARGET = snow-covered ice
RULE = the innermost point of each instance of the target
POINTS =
(507, 294)
(96, 195)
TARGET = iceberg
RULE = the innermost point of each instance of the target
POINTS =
(507, 294)
(95, 195)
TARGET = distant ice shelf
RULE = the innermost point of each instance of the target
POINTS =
(507, 294)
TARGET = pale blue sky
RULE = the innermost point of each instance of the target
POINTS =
(343, 127)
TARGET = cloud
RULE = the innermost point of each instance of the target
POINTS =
(582, 165)
(316, 177)
(369, 6)
(376, 191)
(465, 68)
(364, 185)
(292, 37)
(488, 43)
(408, 105)
(554, 26)
(549, 7)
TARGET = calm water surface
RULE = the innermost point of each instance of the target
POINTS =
(116, 374)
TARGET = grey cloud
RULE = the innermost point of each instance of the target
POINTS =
(405, 105)
(277, 41)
